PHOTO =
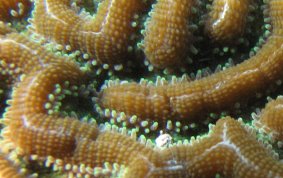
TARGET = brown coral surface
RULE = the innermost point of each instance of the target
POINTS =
(8, 169)
(41, 133)
(167, 35)
(107, 38)
(227, 19)
(11, 9)
(186, 100)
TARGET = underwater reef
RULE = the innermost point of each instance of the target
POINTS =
(141, 88)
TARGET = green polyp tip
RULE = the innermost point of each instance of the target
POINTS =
(58, 90)
(267, 20)
(140, 45)
(144, 123)
(217, 176)
(256, 49)
(226, 49)
(67, 92)
(74, 87)
(267, 33)
(267, 26)
(51, 97)
(261, 40)
(223, 114)
(60, 97)
(67, 83)
(193, 125)
(178, 124)
(143, 31)
(47, 105)
(208, 7)
(199, 72)
(147, 131)
(50, 112)
(134, 24)
(177, 130)
(57, 108)
(97, 172)
(213, 115)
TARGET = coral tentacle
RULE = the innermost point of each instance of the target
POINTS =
(106, 37)
(8, 169)
(229, 150)
(38, 131)
(14, 9)
(185, 100)
(23, 56)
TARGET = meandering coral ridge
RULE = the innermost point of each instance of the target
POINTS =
(38, 132)
(107, 38)
(185, 100)
(227, 19)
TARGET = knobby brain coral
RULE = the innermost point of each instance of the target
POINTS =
(227, 19)
(183, 101)
(167, 35)
(48, 79)
(108, 38)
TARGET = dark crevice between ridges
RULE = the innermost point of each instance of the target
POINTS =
(210, 53)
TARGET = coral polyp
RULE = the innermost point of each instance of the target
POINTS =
(72, 106)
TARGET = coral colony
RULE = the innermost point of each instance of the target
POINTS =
(141, 88)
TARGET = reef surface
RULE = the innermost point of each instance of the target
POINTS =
(125, 88)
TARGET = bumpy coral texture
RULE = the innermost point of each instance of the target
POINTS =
(271, 119)
(78, 148)
(73, 142)
(167, 35)
(227, 19)
(35, 132)
(185, 100)
(8, 169)
(230, 150)
(106, 38)
(15, 49)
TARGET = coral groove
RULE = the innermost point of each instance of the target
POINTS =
(36, 131)
(229, 150)
(185, 100)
